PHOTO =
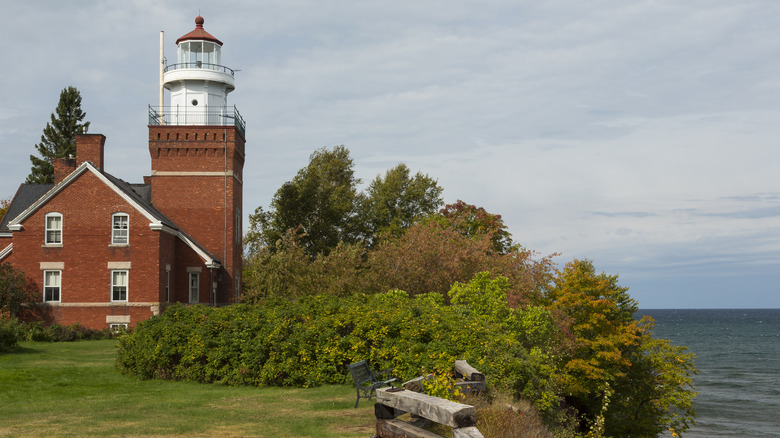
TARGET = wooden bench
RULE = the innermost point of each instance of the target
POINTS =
(366, 381)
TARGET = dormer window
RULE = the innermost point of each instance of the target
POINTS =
(120, 228)
(53, 229)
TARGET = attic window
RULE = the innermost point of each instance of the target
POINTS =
(53, 229)
(120, 228)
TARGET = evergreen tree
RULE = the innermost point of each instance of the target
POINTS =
(59, 136)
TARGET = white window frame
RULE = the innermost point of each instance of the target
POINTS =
(194, 287)
(116, 274)
(116, 229)
(117, 327)
(57, 274)
(55, 231)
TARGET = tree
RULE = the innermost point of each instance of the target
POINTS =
(319, 203)
(59, 136)
(657, 393)
(473, 221)
(323, 206)
(4, 204)
(430, 257)
(286, 271)
(624, 382)
(394, 203)
(15, 289)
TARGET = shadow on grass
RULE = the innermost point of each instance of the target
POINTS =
(20, 351)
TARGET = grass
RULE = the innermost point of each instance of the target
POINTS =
(72, 389)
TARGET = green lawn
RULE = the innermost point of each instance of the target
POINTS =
(72, 389)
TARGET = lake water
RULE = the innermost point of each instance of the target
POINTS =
(738, 358)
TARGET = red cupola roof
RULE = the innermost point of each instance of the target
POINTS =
(199, 33)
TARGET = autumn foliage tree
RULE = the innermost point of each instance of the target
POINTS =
(428, 257)
(473, 221)
(613, 374)
(4, 204)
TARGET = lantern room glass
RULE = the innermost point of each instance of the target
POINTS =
(199, 54)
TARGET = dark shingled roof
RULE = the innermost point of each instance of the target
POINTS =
(25, 197)
(140, 193)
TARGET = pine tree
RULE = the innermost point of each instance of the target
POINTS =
(59, 136)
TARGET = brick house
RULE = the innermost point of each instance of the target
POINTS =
(104, 252)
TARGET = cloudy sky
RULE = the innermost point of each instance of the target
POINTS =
(639, 134)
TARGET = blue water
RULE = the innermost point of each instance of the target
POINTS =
(738, 358)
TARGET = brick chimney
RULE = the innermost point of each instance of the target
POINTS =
(89, 147)
(63, 167)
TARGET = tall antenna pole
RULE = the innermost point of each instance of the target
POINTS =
(162, 73)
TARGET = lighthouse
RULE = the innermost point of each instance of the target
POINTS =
(198, 82)
(197, 147)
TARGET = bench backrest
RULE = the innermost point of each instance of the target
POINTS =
(360, 372)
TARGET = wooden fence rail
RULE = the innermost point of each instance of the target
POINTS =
(392, 402)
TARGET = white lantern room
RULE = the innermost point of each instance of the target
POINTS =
(198, 82)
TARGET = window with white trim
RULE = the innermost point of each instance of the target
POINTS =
(53, 229)
(51, 286)
(119, 285)
(120, 228)
(117, 327)
(194, 287)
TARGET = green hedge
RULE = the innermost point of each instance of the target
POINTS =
(12, 331)
(311, 342)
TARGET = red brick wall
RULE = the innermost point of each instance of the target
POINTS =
(89, 147)
(62, 168)
(86, 251)
(196, 202)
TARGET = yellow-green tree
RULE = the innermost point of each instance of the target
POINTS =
(624, 382)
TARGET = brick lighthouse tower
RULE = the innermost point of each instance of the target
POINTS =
(197, 148)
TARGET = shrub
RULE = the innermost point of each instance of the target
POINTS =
(530, 353)
(311, 341)
(10, 334)
(39, 332)
(305, 343)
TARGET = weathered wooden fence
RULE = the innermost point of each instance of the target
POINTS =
(393, 402)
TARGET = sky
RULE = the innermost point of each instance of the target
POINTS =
(641, 135)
